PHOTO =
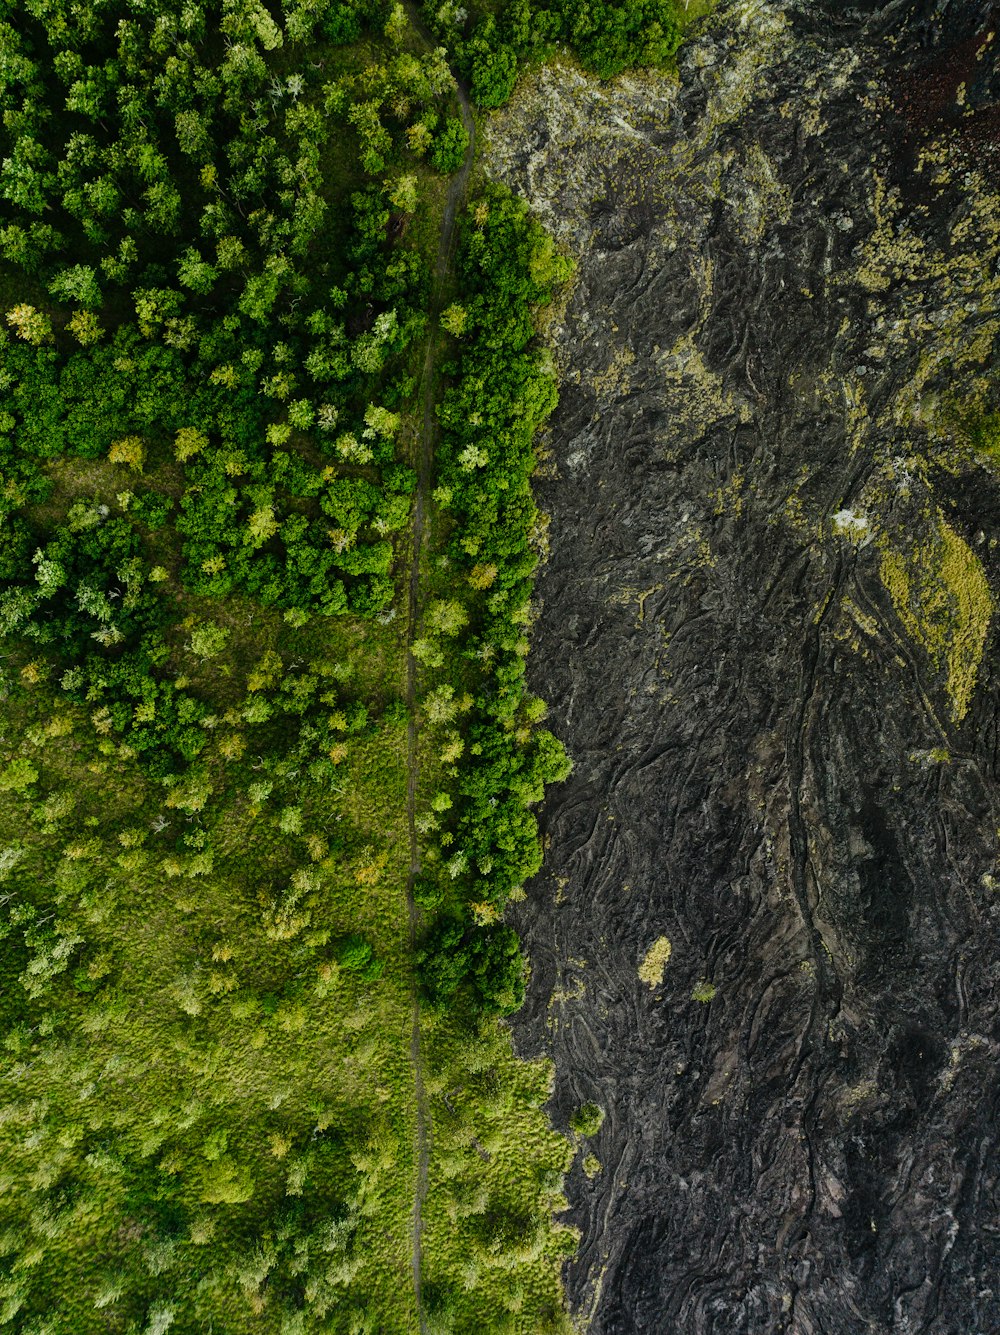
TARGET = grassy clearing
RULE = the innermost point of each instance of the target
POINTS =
(192, 1078)
(192, 1082)
(690, 11)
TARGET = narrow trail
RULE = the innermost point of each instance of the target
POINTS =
(457, 189)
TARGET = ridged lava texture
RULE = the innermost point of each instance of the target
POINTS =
(766, 633)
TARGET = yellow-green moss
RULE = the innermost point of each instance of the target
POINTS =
(592, 1166)
(652, 967)
(942, 597)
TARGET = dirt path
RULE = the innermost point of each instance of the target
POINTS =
(424, 462)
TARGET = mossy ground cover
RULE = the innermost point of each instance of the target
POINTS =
(492, 1252)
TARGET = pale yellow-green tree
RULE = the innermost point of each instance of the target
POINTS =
(33, 325)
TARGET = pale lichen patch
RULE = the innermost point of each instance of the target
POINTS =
(851, 524)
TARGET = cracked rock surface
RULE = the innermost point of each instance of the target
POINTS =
(766, 635)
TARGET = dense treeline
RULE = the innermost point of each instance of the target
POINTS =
(501, 392)
(205, 311)
(490, 44)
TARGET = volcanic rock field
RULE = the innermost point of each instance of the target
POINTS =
(767, 937)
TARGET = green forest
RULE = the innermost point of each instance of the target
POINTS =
(269, 768)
